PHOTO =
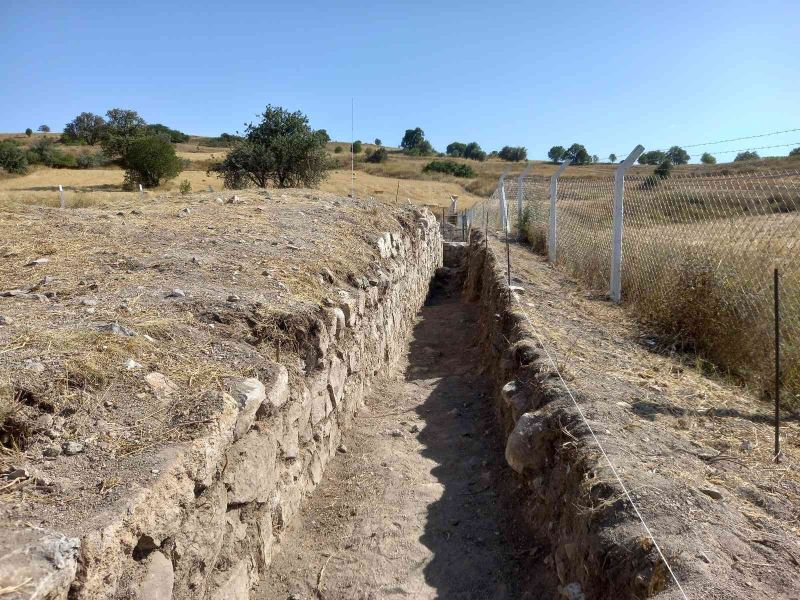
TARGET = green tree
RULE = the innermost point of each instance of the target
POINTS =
(86, 127)
(612, 158)
(123, 126)
(513, 153)
(357, 147)
(282, 149)
(44, 128)
(557, 153)
(654, 157)
(678, 156)
(577, 155)
(323, 135)
(415, 144)
(795, 152)
(456, 149)
(473, 151)
(169, 134)
(595, 158)
(664, 170)
(747, 155)
(708, 159)
(150, 160)
(29, 132)
(378, 142)
(12, 158)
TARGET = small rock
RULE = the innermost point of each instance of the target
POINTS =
(342, 448)
(5, 320)
(572, 591)
(746, 446)
(162, 386)
(414, 429)
(131, 364)
(233, 298)
(176, 293)
(184, 212)
(117, 329)
(88, 302)
(43, 422)
(396, 433)
(711, 492)
(33, 364)
(38, 261)
(17, 473)
(517, 289)
(72, 448)
(51, 451)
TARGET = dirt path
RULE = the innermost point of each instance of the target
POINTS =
(412, 506)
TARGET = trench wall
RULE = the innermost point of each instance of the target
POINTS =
(208, 527)
(567, 501)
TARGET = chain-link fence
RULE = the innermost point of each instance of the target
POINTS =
(698, 255)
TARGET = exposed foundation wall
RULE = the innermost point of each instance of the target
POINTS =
(569, 505)
(208, 526)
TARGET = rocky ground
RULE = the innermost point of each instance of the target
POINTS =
(121, 326)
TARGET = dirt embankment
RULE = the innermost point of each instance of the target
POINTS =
(178, 374)
(721, 511)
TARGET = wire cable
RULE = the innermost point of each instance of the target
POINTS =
(605, 455)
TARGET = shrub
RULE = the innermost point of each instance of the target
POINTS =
(450, 167)
(456, 149)
(281, 149)
(378, 142)
(557, 153)
(473, 151)
(149, 161)
(90, 161)
(654, 157)
(378, 156)
(12, 158)
(513, 153)
(795, 152)
(337, 150)
(747, 155)
(357, 147)
(44, 128)
(44, 152)
(224, 140)
(708, 159)
(664, 170)
(185, 186)
(29, 132)
(86, 127)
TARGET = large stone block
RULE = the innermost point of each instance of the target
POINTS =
(249, 474)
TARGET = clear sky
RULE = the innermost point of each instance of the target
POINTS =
(603, 73)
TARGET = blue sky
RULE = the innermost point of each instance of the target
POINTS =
(605, 74)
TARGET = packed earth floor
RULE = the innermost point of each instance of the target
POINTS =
(417, 502)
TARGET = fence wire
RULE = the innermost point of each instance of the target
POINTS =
(698, 255)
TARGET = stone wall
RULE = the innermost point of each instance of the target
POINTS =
(210, 523)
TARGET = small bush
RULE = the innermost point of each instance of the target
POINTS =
(449, 167)
(795, 152)
(185, 187)
(357, 147)
(88, 160)
(708, 159)
(44, 152)
(12, 158)
(29, 132)
(149, 161)
(337, 150)
(378, 156)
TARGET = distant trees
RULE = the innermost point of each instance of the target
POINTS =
(460, 150)
(12, 158)
(577, 155)
(44, 152)
(172, 135)
(612, 158)
(678, 156)
(29, 132)
(44, 128)
(87, 128)
(357, 147)
(323, 135)
(595, 158)
(664, 170)
(282, 149)
(378, 142)
(795, 152)
(557, 153)
(747, 155)
(150, 160)
(654, 157)
(456, 149)
(513, 153)
(123, 126)
(379, 155)
(450, 167)
(415, 144)
(708, 159)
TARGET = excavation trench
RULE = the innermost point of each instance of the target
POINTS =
(419, 501)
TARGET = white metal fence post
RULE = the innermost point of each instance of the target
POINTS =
(553, 238)
(141, 192)
(61, 195)
(521, 198)
(619, 213)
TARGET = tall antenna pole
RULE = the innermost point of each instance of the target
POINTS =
(352, 153)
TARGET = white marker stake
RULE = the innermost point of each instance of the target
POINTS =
(61, 195)
(141, 192)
